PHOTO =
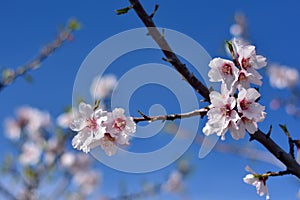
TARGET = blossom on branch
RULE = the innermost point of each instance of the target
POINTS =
(96, 127)
(257, 180)
(224, 71)
(228, 110)
(89, 127)
(221, 115)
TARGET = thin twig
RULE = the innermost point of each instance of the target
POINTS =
(200, 112)
(7, 193)
(49, 49)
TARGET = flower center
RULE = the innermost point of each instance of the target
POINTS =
(242, 77)
(245, 104)
(92, 124)
(246, 63)
(119, 124)
(226, 69)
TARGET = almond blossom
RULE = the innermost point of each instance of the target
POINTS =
(248, 106)
(119, 128)
(89, 127)
(259, 181)
(247, 58)
(223, 71)
(96, 127)
(221, 115)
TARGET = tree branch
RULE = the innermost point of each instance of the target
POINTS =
(287, 159)
(168, 52)
(7, 193)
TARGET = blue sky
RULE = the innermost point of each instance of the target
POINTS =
(28, 25)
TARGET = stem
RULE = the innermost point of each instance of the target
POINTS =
(200, 112)
(43, 55)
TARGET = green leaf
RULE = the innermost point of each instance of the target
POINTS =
(230, 47)
(285, 130)
(123, 10)
(74, 24)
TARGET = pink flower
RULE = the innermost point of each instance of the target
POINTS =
(223, 71)
(89, 127)
(222, 115)
(247, 105)
(258, 181)
(119, 126)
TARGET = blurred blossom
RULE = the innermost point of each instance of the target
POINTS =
(30, 155)
(30, 119)
(174, 183)
(290, 109)
(282, 76)
(67, 159)
(52, 148)
(75, 162)
(102, 87)
(236, 30)
(87, 181)
(33, 119)
(275, 104)
(65, 119)
(12, 129)
(28, 195)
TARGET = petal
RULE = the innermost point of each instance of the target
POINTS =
(78, 124)
(217, 99)
(252, 94)
(85, 110)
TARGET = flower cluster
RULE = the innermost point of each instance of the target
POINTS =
(228, 110)
(97, 127)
